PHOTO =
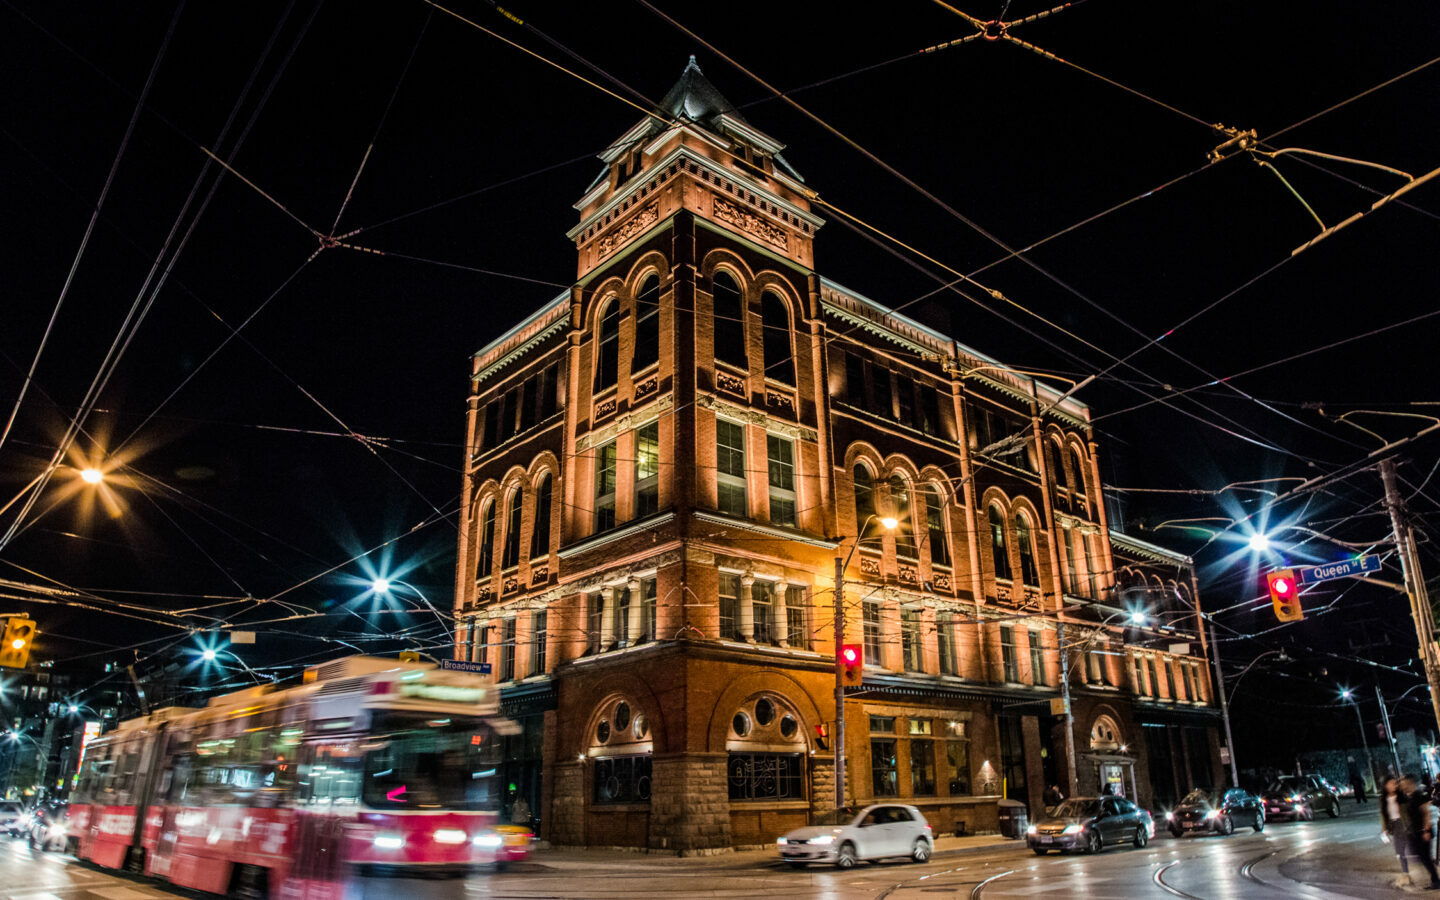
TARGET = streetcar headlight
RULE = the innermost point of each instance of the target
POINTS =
(489, 841)
(450, 836)
(389, 841)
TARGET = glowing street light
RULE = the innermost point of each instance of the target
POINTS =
(1259, 542)
(381, 585)
(208, 654)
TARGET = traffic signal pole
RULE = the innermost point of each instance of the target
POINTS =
(1414, 583)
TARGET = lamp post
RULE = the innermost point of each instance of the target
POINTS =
(1349, 697)
(840, 566)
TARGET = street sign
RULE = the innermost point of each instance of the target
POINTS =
(460, 665)
(1312, 574)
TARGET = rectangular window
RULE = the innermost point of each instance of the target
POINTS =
(905, 400)
(929, 411)
(514, 406)
(766, 776)
(921, 726)
(530, 403)
(797, 602)
(957, 767)
(622, 779)
(1170, 678)
(762, 606)
(922, 768)
(648, 589)
(935, 527)
(880, 388)
(1008, 655)
(910, 641)
(854, 381)
(1037, 659)
(620, 614)
(507, 651)
(492, 425)
(1138, 670)
(884, 770)
(537, 642)
(1095, 667)
(730, 468)
(1072, 576)
(729, 606)
(647, 469)
(549, 392)
(1096, 579)
(1152, 681)
(482, 644)
(882, 724)
(945, 643)
(595, 623)
(781, 455)
(605, 488)
(871, 615)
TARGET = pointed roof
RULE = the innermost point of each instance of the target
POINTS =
(693, 97)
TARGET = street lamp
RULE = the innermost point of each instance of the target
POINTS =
(889, 522)
(1349, 697)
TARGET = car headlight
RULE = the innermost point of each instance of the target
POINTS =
(1169, 816)
(1213, 814)
(780, 841)
(1296, 798)
(823, 840)
(489, 841)
(1032, 829)
(1073, 829)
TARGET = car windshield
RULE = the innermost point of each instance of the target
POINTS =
(430, 761)
(1077, 809)
(836, 817)
(1197, 798)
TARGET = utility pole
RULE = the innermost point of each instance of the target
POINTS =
(1414, 584)
(1224, 703)
(1390, 735)
(1070, 787)
(840, 682)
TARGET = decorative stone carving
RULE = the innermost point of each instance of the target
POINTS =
(750, 223)
(512, 584)
(942, 581)
(485, 595)
(780, 401)
(647, 387)
(909, 575)
(540, 574)
(869, 566)
(756, 417)
(605, 408)
(627, 230)
(1002, 592)
(627, 422)
(725, 381)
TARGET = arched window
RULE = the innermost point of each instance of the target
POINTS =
(1077, 473)
(997, 543)
(900, 509)
(729, 321)
(1026, 541)
(935, 531)
(607, 348)
(647, 324)
(1053, 455)
(864, 498)
(511, 556)
(540, 534)
(779, 352)
(485, 560)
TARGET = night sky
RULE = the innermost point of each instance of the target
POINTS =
(284, 416)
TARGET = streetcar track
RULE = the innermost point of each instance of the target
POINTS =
(975, 894)
(1159, 878)
(1247, 869)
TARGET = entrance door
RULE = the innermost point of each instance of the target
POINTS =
(1112, 777)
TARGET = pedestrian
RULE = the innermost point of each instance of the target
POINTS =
(1357, 781)
(520, 812)
(1392, 825)
(1415, 811)
(1052, 799)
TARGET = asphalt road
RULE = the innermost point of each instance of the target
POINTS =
(1339, 858)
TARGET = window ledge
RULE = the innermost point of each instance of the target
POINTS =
(634, 527)
(783, 534)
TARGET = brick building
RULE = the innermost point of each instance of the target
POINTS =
(665, 461)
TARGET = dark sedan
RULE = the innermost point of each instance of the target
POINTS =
(1300, 797)
(1199, 811)
(1091, 824)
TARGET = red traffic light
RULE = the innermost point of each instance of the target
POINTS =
(852, 664)
(1285, 595)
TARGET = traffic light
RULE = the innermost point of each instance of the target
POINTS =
(852, 660)
(19, 635)
(1285, 595)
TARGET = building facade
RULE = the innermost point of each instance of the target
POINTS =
(663, 465)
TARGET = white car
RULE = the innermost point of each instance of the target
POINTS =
(844, 836)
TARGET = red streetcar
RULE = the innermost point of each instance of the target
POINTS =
(371, 764)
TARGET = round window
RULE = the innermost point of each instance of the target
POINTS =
(741, 724)
(622, 716)
(764, 711)
(642, 727)
(788, 726)
(602, 731)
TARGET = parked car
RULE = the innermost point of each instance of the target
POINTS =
(12, 817)
(1091, 824)
(1300, 797)
(845, 836)
(1200, 811)
(48, 826)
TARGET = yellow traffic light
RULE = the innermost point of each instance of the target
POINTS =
(15, 646)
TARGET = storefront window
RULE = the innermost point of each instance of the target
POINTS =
(622, 779)
(884, 771)
(957, 767)
(766, 776)
(922, 768)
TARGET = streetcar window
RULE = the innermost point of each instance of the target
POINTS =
(417, 762)
(329, 774)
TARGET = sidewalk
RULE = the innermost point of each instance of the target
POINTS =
(597, 859)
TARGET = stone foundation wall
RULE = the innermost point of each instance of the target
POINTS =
(567, 804)
(690, 806)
